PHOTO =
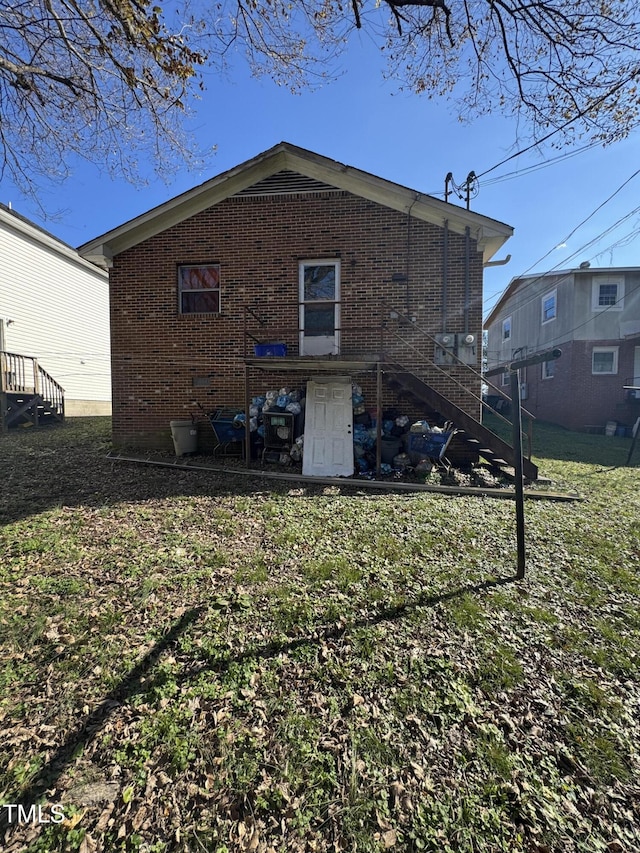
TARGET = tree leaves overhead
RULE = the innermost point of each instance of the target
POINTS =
(112, 78)
(102, 79)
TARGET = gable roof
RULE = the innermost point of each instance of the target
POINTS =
(283, 169)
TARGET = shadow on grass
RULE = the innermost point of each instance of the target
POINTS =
(67, 466)
(91, 725)
(388, 614)
(131, 684)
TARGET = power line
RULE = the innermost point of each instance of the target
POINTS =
(580, 114)
(497, 298)
(567, 335)
(535, 167)
(538, 278)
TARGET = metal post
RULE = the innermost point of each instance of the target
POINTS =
(636, 433)
(247, 430)
(516, 408)
(378, 418)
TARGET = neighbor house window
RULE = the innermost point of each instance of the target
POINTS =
(548, 369)
(199, 288)
(505, 378)
(604, 360)
(506, 329)
(549, 308)
(608, 295)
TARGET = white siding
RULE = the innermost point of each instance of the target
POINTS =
(59, 307)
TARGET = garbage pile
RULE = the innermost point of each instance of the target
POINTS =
(284, 400)
(406, 447)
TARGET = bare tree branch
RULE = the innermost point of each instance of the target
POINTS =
(111, 80)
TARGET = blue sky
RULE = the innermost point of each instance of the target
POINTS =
(365, 122)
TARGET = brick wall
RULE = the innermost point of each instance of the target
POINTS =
(158, 354)
(575, 397)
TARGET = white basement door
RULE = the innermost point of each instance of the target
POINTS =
(328, 428)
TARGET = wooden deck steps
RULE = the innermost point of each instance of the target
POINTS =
(30, 409)
(28, 394)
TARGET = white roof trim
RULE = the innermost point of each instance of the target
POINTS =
(489, 233)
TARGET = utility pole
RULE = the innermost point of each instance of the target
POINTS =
(448, 180)
(458, 190)
(516, 407)
(471, 177)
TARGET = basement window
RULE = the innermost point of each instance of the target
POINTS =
(199, 288)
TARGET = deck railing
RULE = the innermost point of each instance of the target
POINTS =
(387, 338)
(22, 374)
(425, 361)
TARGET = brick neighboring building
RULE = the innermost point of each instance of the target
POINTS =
(593, 316)
(195, 282)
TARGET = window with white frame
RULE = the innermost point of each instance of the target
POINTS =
(549, 306)
(199, 288)
(505, 379)
(548, 369)
(506, 329)
(607, 294)
(604, 360)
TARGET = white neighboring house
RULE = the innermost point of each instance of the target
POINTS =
(54, 315)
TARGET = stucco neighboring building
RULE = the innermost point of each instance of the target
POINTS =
(54, 307)
(593, 315)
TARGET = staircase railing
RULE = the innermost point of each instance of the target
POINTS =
(431, 364)
(22, 374)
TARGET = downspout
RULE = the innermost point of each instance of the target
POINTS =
(497, 263)
(408, 261)
(467, 277)
(445, 274)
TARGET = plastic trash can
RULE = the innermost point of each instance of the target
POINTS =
(185, 436)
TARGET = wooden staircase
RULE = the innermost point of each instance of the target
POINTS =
(28, 394)
(486, 443)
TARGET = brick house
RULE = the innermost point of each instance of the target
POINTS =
(593, 316)
(346, 269)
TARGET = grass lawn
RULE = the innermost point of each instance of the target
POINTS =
(206, 663)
